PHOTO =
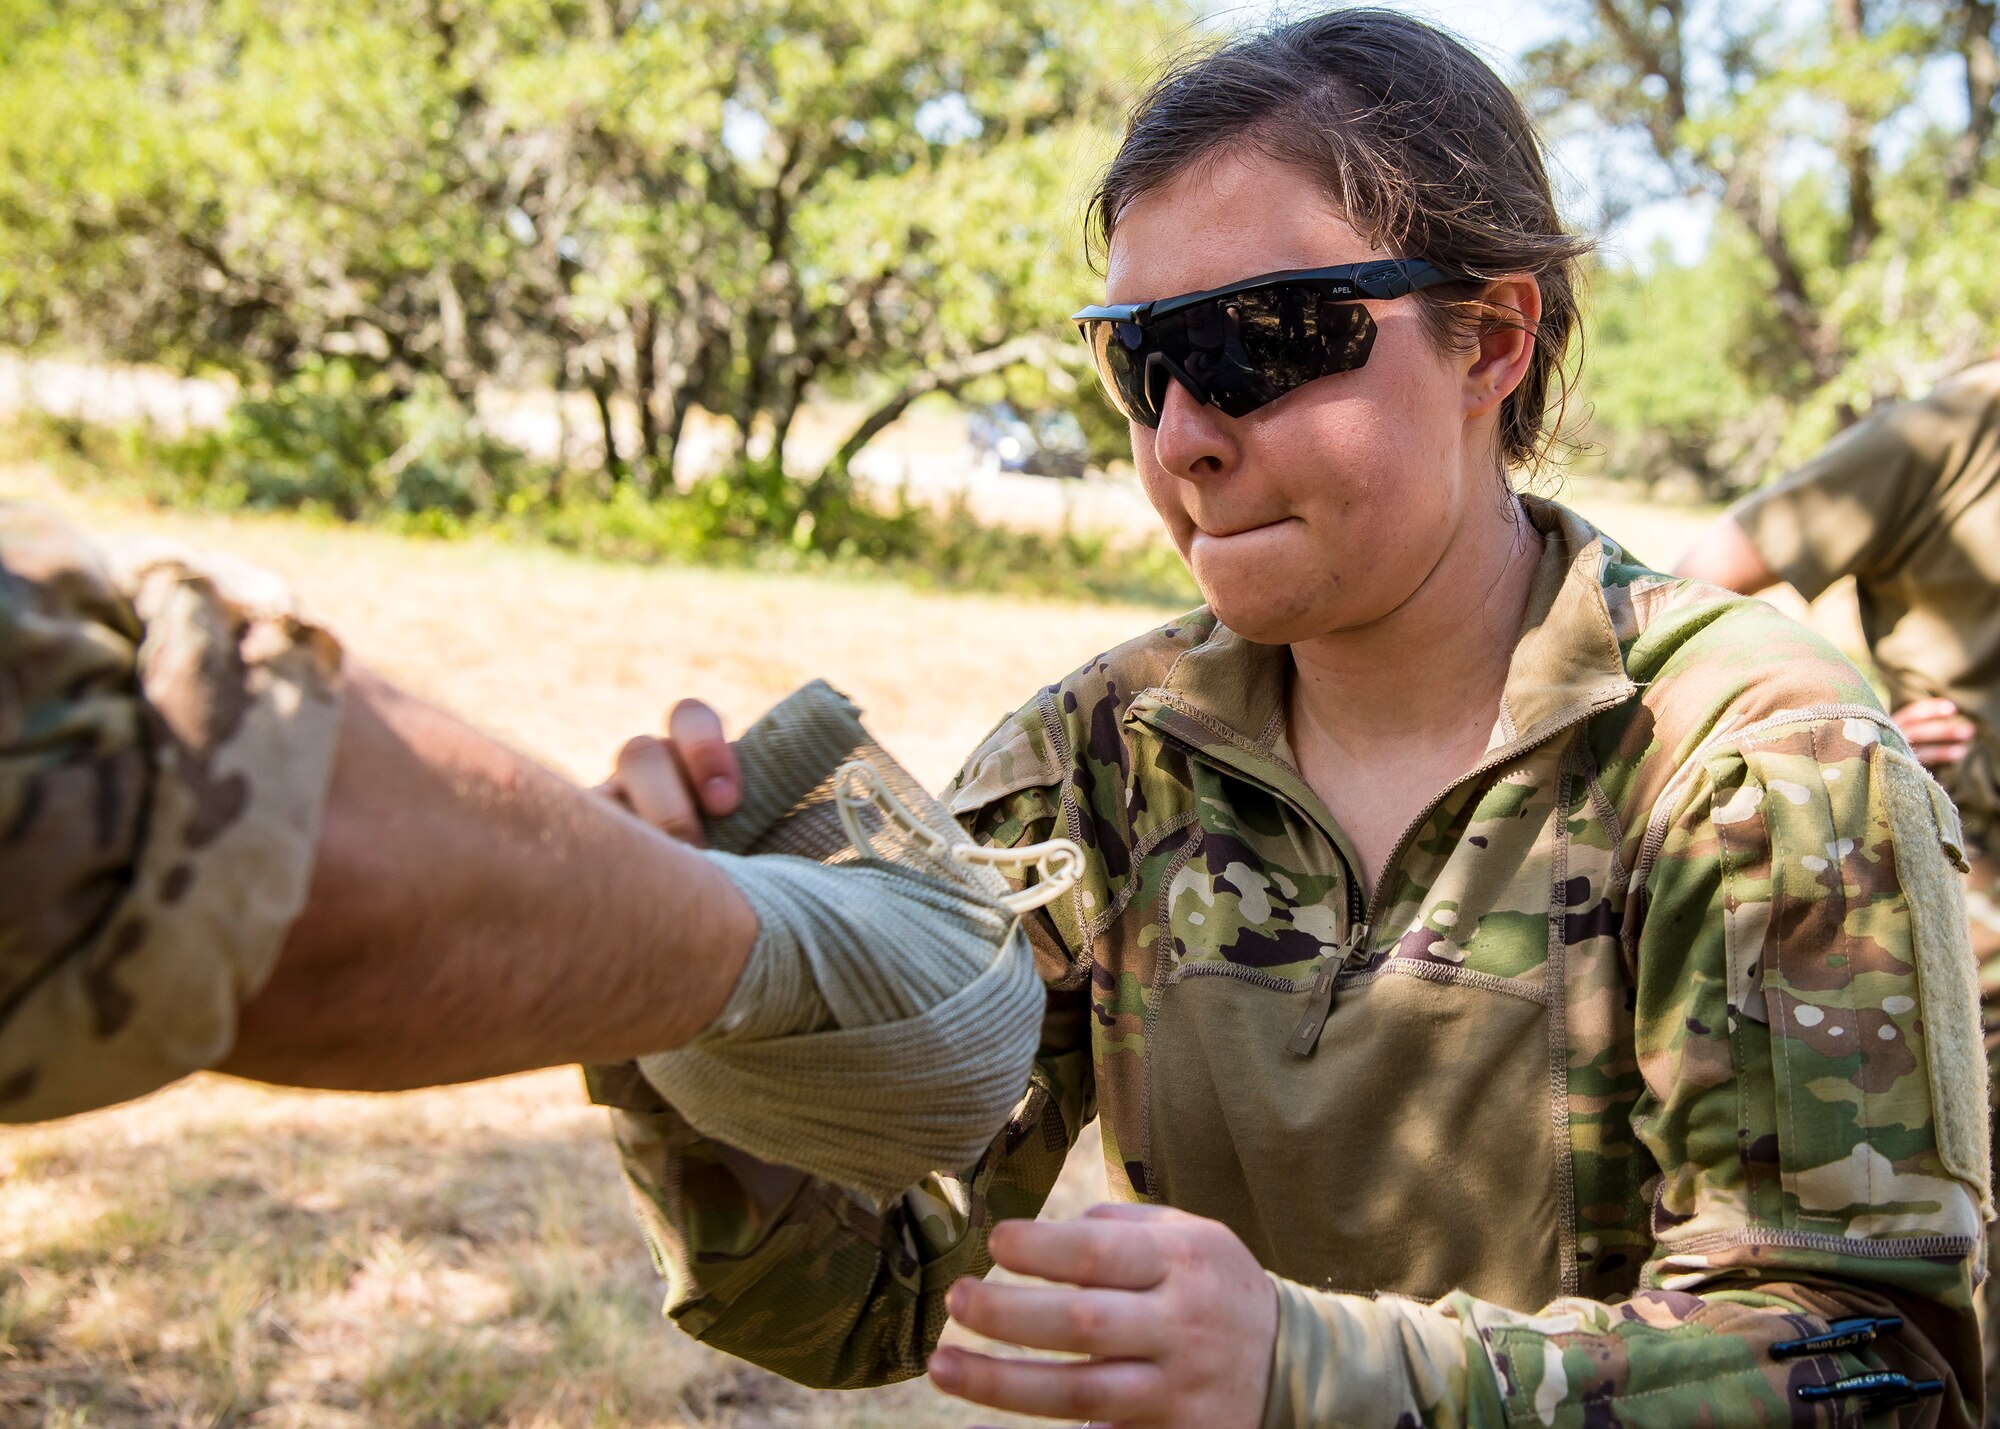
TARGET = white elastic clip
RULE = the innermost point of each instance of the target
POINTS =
(1057, 863)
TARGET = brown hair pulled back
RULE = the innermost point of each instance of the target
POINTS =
(1412, 137)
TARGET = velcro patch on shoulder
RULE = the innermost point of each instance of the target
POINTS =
(1924, 825)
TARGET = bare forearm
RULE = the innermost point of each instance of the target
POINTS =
(1724, 556)
(472, 914)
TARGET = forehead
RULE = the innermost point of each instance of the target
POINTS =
(1231, 217)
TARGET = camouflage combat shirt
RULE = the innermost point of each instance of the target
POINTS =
(1654, 1050)
(167, 728)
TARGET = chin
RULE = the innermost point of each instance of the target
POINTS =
(1274, 607)
(1270, 615)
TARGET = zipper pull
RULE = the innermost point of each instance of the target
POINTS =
(1319, 997)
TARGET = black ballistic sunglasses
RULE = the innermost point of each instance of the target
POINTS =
(1240, 347)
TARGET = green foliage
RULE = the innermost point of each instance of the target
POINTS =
(1662, 390)
(331, 442)
(328, 450)
(754, 518)
(723, 204)
(1852, 259)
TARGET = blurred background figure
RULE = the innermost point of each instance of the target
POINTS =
(1907, 502)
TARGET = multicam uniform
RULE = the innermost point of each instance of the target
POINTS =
(166, 737)
(1908, 503)
(1653, 1054)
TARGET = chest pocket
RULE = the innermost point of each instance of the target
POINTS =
(1422, 1147)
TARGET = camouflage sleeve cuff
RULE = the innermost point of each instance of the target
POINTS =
(1349, 1362)
(166, 739)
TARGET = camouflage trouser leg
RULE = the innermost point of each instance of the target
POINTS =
(1982, 902)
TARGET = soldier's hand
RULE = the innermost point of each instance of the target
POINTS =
(1176, 1315)
(672, 782)
(1938, 734)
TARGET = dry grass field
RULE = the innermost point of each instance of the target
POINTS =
(225, 1254)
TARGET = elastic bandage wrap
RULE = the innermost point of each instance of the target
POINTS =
(887, 1019)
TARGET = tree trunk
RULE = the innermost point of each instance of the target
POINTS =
(455, 364)
(1976, 20)
(600, 391)
(944, 377)
(791, 395)
(1759, 211)
(686, 392)
(645, 382)
(758, 330)
(781, 428)
(1650, 39)
(562, 413)
(1857, 150)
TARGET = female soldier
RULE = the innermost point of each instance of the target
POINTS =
(1516, 987)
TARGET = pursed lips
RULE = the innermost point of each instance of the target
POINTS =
(1220, 532)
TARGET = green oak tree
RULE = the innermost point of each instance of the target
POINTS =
(728, 205)
(1847, 151)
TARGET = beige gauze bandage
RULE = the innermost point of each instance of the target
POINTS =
(887, 1020)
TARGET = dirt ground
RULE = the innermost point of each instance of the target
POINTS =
(223, 1254)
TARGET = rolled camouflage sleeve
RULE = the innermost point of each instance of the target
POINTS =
(1853, 503)
(1806, 1028)
(166, 737)
(801, 1276)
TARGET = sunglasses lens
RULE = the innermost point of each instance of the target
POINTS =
(1280, 338)
(1240, 351)
(1119, 350)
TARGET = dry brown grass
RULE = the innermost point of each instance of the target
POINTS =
(222, 1253)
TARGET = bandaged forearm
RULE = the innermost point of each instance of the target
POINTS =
(887, 1020)
(883, 1028)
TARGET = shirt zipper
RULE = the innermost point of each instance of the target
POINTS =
(1319, 997)
(1354, 948)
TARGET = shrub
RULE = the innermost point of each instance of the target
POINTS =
(326, 446)
(329, 442)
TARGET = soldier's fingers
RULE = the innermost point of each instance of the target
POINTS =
(655, 789)
(1114, 1255)
(1952, 727)
(1135, 1211)
(1938, 755)
(1925, 709)
(614, 790)
(1942, 739)
(1117, 1390)
(707, 757)
(1110, 1324)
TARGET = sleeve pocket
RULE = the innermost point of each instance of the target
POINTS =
(1846, 918)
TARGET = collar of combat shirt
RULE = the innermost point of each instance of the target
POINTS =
(1224, 699)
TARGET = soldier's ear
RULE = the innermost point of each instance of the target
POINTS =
(1504, 319)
